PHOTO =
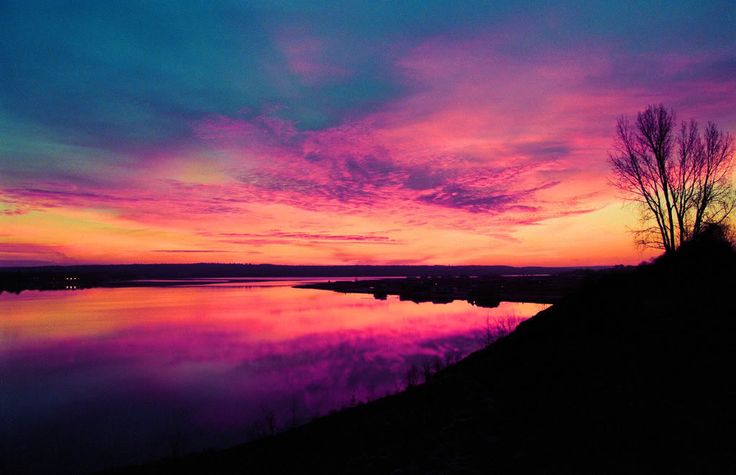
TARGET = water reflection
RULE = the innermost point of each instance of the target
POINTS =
(105, 377)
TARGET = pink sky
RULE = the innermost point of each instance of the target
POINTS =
(485, 157)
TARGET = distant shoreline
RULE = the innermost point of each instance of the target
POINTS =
(486, 291)
(18, 279)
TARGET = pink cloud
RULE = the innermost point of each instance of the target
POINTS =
(482, 142)
(306, 56)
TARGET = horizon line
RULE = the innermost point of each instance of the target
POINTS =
(42, 265)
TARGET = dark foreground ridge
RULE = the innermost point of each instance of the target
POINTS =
(633, 373)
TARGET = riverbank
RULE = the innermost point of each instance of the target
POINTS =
(483, 291)
(629, 374)
(18, 279)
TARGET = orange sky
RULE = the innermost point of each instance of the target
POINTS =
(481, 141)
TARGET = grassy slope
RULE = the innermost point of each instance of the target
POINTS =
(630, 374)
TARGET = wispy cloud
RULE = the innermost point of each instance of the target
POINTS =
(310, 236)
(189, 251)
(294, 137)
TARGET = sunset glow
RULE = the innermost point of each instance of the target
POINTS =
(422, 134)
(208, 362)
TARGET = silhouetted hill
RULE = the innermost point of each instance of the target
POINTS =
(630, 374)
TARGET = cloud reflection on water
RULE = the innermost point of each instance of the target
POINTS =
(134, 374)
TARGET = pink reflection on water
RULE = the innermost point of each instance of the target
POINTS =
(161, 370)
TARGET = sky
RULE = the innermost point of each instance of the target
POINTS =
(373, 132)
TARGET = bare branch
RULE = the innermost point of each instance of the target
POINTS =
(682, 181)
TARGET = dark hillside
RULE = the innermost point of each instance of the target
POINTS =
(631, 374)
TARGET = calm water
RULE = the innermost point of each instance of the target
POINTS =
(104, 377)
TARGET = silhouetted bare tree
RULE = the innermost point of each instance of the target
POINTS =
(681, 179)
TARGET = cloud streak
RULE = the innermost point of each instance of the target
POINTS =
(289, 137)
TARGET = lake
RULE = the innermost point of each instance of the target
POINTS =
(98, 378)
